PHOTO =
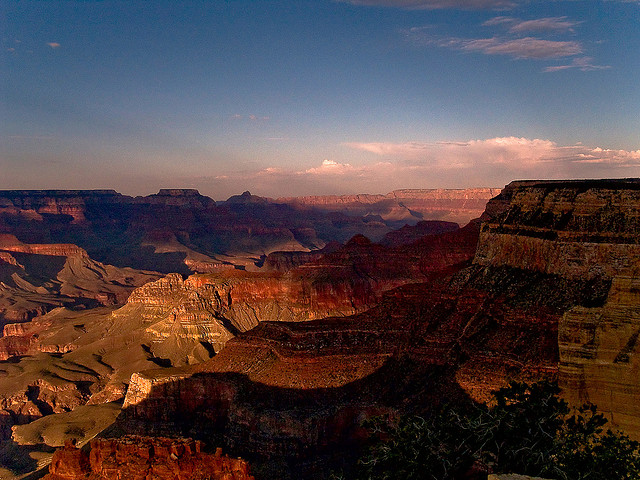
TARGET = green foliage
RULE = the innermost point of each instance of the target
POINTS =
(528, 430)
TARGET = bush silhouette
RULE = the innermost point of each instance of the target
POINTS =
(528, 430)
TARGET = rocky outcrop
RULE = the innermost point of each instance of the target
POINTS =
(142, 457)
(585, 232)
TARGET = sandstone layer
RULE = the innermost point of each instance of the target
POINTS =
(600, 354)
(135, 457)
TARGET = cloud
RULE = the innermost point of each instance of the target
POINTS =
(583, 63)
(520, 48)
(527, 47)
(329, 167)
(514, 154)
(380, 167)
(54, 45)
(498, 21)
(551, 24)
(436, 4)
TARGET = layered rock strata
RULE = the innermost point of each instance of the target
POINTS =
(35, 278)
(134, 457)
(574, 229)
(405, 206)
(600, 354)
(545, 248)
(585, 232)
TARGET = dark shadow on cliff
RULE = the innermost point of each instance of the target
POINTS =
(16, 458)
(286, 432)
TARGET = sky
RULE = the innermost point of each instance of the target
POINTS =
(287, 98)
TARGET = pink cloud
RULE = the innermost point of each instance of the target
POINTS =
(380, 167)
(520, 48)
(527, 47)
(551, 24)
(54, 45)
(514, 156)
(583, 63)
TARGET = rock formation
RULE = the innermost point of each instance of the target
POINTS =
(134, 457)
(585, 232)
(179, 230)
(405, 206)
(389, 328)
(600, 354)
(461, 331)
(35, 278)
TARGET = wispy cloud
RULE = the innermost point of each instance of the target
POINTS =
(551, 24)
(499, 21)
(437, 4)
(520, 48)
(583, 63)
(527, 47)
(54, 45)
(514, 153)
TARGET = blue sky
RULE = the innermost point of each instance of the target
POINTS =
(316, 97)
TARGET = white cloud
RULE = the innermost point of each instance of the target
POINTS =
(380, 167)
(329, 167)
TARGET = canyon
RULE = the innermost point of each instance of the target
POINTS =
(181, 231)
(280, 357)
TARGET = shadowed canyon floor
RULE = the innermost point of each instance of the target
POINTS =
(282, 365)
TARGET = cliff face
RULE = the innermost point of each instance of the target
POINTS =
(35, 278)
(546, 248)
(405, 206)
(575, 229)
(585, 232)
(139, 457)
(600, 354)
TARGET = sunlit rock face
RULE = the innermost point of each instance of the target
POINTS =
(575, 229)
(36, 278)
(588, 233)
(600, 354)
(134, 457)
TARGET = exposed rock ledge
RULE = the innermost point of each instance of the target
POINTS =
(134, 457)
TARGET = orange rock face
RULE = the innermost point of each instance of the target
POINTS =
(135, 457)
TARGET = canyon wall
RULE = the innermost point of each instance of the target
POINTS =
(587, 232)
(407, 205)
(545, 249)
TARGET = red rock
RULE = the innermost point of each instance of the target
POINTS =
(135, 457)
